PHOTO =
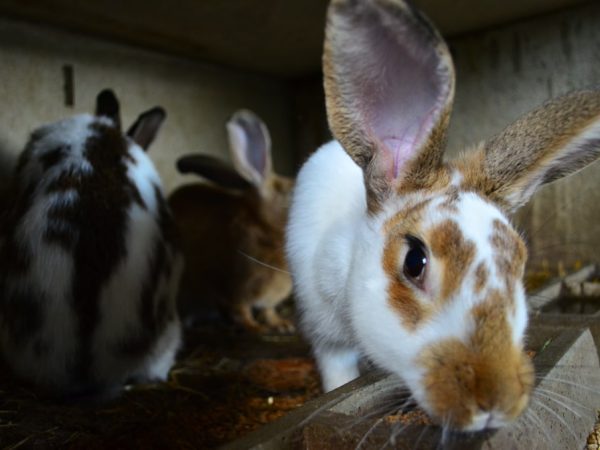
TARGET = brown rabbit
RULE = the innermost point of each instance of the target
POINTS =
(232, 231)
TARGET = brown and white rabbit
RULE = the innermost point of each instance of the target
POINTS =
(232, 230)
(406, 260)
(89, 270)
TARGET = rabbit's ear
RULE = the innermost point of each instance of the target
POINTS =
(558, 138)
(107, 105)
(389, 85)
(250, 146)
(212, 169)
(145, 128)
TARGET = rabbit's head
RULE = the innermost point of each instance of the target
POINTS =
(436, 286)
(252, 174)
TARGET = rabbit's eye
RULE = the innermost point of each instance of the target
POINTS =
(415, 261)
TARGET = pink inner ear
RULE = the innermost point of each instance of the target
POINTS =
(251, 146)
(254, 151)
(402, 148)
(400, 92)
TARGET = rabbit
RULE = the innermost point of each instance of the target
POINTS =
(89, 263)
(405, 260)
(232, 231)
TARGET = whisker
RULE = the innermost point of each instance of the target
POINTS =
(327, 405)
(556, 395)
(520, 425)
(560, 403)
(421, 434)
(368, 433)
(393, 381)
(366, 417)
(571, 383)
(304, 422)
(560, 419)
(445, 432)
(535, 419)
(253, 259)
(397, 430)
(577, 366)
(384, 409)
(385, 444)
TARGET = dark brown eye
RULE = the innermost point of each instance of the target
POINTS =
(415, 261)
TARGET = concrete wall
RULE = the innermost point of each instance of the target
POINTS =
(505, 72)
(198, 98)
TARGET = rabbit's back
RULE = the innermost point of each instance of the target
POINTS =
(88, 303)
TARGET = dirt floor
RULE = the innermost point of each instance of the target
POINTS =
(226, 384)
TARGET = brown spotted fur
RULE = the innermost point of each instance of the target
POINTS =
(454, 253)
(511, 254)
(489, 370)
(401, 297)
(488, 373)
(481, 278)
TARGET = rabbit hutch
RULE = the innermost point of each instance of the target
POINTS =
(242, 106)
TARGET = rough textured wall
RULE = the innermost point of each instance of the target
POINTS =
(198, 98)
(505, 72)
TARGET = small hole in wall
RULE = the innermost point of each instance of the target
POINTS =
(69, 84)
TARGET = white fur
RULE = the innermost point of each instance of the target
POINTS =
(335, 251)
(50, 275)
(320, 237)
(383, 113)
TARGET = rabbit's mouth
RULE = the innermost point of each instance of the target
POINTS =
(480, 384)
(468, 396)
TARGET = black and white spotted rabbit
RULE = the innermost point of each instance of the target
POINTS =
(89, 270)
